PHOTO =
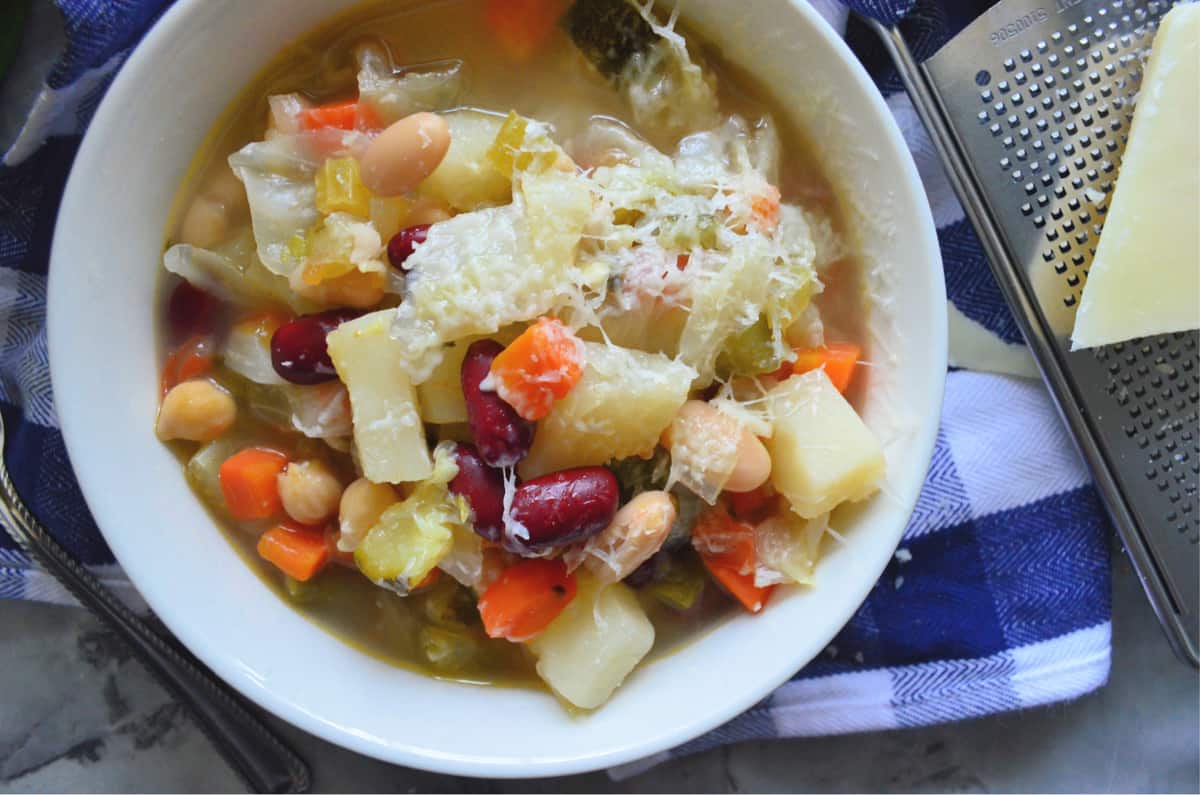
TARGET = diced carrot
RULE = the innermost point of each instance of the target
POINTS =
(741, 586)
(346, 115)
(522, 26)
(727, 548)
(837, 358)
(764, 210)
(192, 359)
(297, 553)
(753, 506)
(249, 482)
(538, 367)
(525, 598)
(336, 555)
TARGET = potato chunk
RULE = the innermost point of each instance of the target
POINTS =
(822, 453)
(591, 647)
(619, 408)
(466, 178)
(387, 426)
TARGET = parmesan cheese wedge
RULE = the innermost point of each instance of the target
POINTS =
(1145, 278)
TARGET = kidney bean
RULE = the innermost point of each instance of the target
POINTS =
(483, 489)
(502, 436)
(564, 507)
(190, 311)
(402, 244)
(298, 351)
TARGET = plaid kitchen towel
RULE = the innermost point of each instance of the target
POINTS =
(999, 595)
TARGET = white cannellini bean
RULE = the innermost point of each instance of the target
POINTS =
(404, 154)
(309, 491)
(363, 502)
(197, 410)
(636, 532)
(753, 463)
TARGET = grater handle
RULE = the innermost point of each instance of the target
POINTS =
(933, 116)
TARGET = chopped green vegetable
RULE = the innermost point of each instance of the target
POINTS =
(608, 32)
(413, 536)
(636, 474)
(447, 649)
(303, 593)
(681, 585)
(688, 508)
(450, 605)
(751, 352)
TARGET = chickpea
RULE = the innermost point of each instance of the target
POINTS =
(226, 189)
(362, 504)
(309, 491)
(197, 410)
(636, 532)
(404, 154)
(205, 224)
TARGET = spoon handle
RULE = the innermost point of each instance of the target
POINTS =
(261, 758)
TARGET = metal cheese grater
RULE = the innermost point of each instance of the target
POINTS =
(1030, 107)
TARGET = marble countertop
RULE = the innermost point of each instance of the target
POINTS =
(80, 715)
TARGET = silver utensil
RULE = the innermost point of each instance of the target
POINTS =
(261, 758)
(1029, 107)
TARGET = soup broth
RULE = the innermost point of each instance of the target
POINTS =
(437, 629)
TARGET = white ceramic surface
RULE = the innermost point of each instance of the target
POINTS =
(105, 264)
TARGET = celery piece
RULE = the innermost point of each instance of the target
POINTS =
(447, 604)
(750, 352)
(636, 474)
(340, 188)
(301, 593)
(446, 649)
(681, 586)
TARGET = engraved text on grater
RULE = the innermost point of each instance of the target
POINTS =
(1021, 24)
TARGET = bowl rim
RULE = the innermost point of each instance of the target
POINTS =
(174, 22)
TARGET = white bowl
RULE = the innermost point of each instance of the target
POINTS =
(105, 264)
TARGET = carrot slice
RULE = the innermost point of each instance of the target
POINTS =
(837, 358)
(346, 115)
(764, 210)
(522, 26)
(726, 547)
(249, 482)
(297, 553)
(540, 366)
(192, 359)
(753, 506)
(525, 598)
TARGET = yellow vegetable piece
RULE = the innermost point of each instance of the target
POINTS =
(512, 152)
(340, 188)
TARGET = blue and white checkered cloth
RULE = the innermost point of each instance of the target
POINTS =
(999, 596)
